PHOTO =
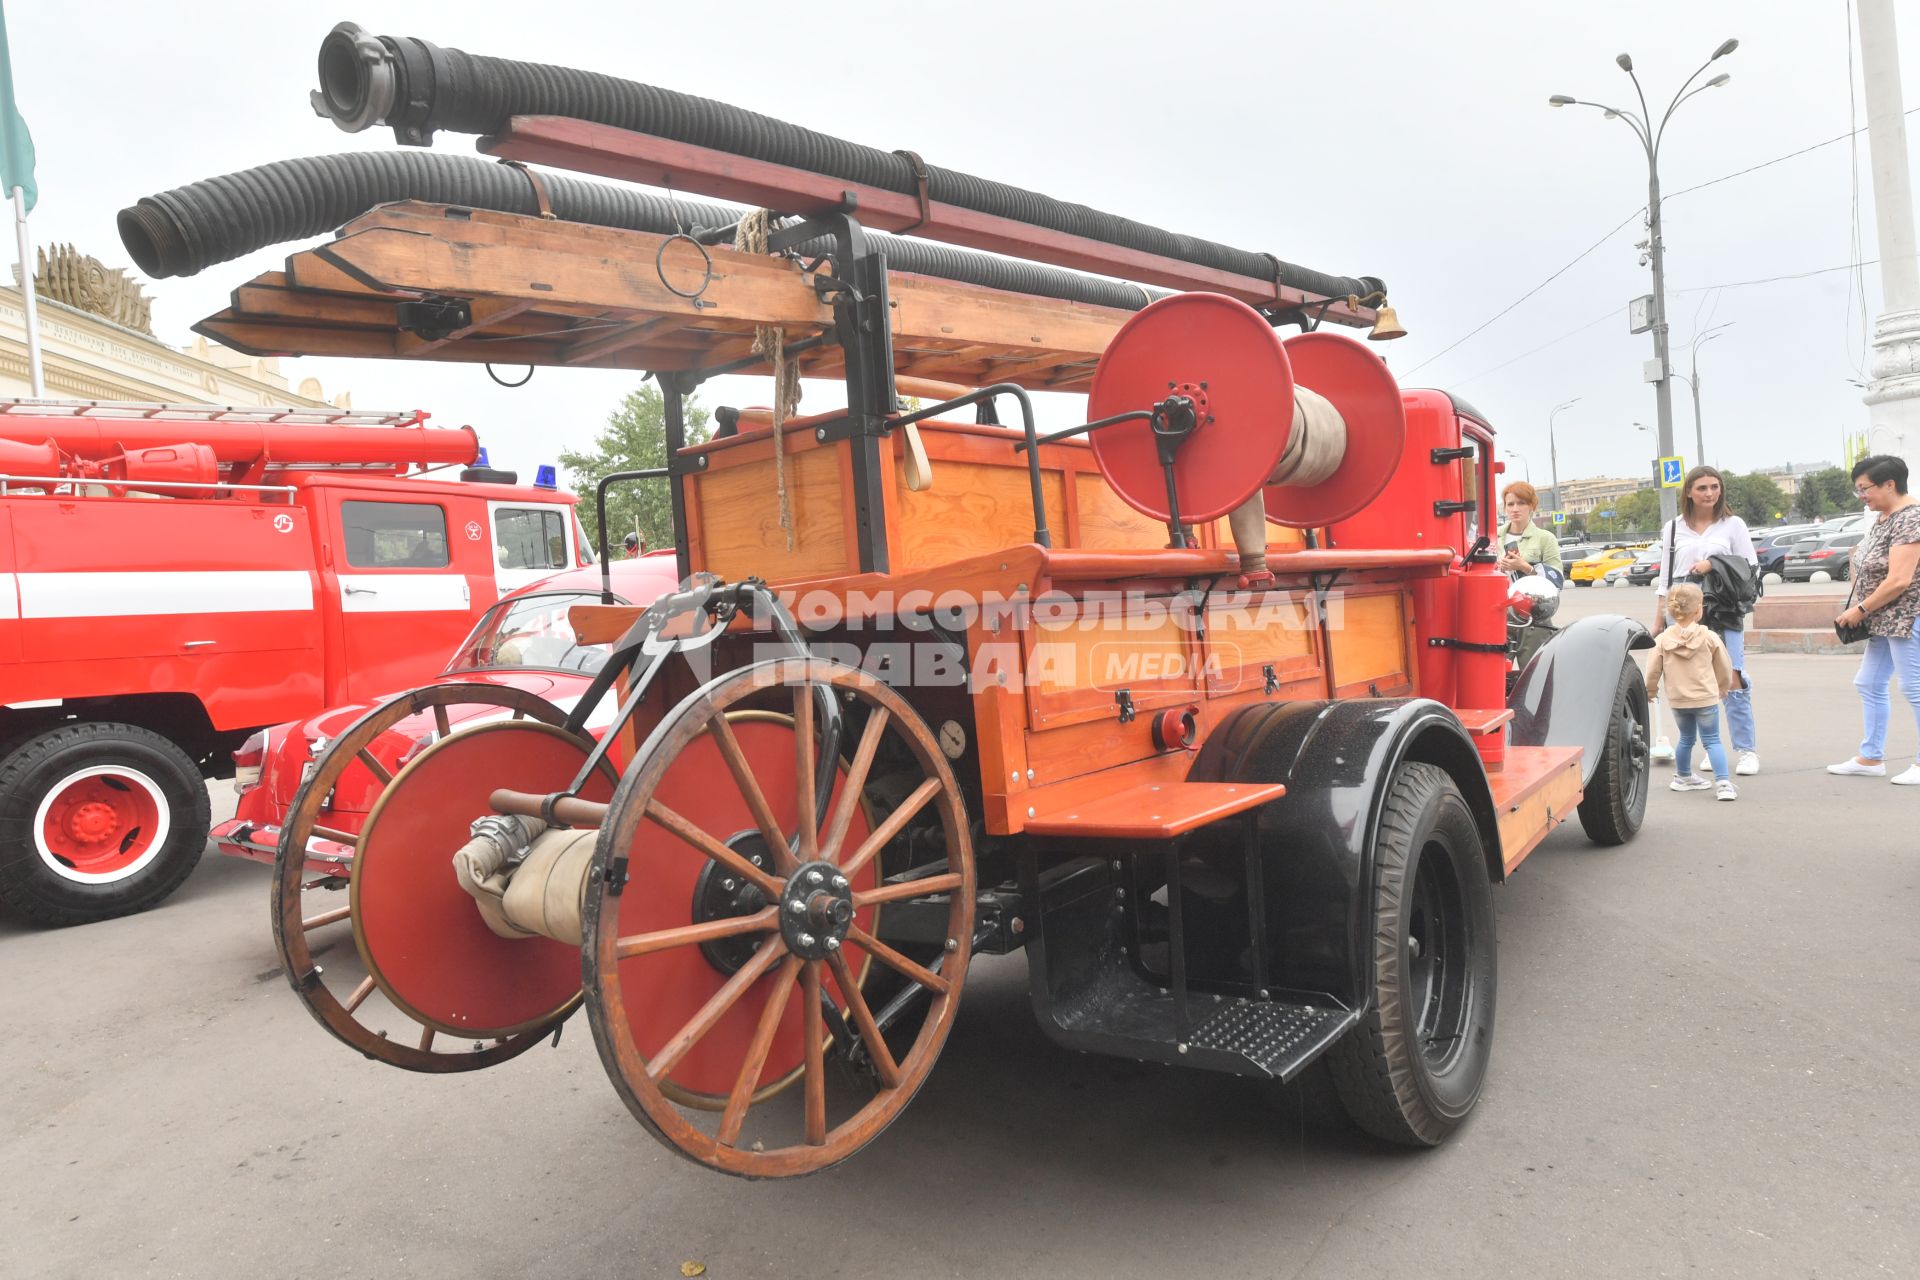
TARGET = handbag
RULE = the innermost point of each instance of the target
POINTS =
(1851, 632)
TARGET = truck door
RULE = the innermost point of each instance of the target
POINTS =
(530, 541)
(404, 604)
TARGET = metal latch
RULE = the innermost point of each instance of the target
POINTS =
(1273, 681)
(1125, 698)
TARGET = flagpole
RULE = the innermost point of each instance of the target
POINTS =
(29, 303)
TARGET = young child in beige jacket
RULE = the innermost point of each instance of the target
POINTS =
(1693, 663)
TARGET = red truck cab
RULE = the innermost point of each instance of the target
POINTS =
(174, 578)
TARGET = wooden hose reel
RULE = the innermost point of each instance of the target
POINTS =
(1302, 431)
(730, 908)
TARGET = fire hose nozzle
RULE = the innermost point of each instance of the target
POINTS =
(358, 81)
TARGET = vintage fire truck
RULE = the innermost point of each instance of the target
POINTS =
(1201, 703)
(174, 578)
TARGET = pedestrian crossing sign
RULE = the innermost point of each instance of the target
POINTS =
(1671, 469)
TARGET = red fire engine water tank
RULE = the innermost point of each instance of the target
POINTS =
(1480, 661)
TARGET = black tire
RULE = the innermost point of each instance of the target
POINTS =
(1615, 803)
(164, 784)
(1412, 1070)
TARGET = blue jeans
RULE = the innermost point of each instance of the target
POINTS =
(1702, 723)
(1884, 658)
(1739, 699)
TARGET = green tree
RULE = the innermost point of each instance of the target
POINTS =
(1638, 512)
(1823, 493)
(635, 438)
(1755, 498)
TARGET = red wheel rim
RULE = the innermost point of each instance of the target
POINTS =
(665, 989)
(418, 931)
(1194, 338)
(1360, 386)
(101, 824)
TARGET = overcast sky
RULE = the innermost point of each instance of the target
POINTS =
(1407, 140)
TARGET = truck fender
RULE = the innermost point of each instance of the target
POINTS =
(1564, 697)
(1337, 759)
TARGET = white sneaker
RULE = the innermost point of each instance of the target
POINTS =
(1688, 782)
(1911, 778)
(1724, 790)
(1749, 764)
(1853, 768)
(1662, 750)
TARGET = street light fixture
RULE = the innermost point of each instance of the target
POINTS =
(1693, 384)
(1650, 135)
(1553, 449)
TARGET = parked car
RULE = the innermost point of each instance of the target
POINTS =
(1644, 569)
(1832, 554)
(1593, 568)
(1773, 546)
(524, 642)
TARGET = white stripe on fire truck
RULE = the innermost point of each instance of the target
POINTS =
(135, 594)
(403, 592)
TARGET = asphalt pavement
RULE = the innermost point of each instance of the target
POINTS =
(1705, 1066)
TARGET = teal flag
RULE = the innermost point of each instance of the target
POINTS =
(16, 144)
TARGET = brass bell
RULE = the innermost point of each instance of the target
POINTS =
(1386, 325)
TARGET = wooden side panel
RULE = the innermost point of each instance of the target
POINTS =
(1109, 524)
(1368, 642)
(1245, 637)
(1076, 667)
(972, 508)
(738, 518)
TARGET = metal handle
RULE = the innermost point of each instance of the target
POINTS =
(195, 644)
(361, 591)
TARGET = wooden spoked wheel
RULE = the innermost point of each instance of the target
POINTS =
(689, 1003)
(406, 971)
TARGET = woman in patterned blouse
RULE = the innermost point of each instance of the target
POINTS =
(1887, 592)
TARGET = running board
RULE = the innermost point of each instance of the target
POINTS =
(1271, 1039)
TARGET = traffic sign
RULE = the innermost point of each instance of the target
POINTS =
(1604, 515)
(1671, 469)
(1559, 517)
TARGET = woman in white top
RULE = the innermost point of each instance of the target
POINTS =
(1707, 527)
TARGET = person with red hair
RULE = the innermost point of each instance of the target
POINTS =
(1524, 546)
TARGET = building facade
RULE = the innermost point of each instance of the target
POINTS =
(97, 343)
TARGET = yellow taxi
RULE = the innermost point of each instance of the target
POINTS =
(1596, 566)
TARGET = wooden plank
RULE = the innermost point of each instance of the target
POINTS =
(578, 268)
(1150, 810)
(740, 532)
(310, 273)
(971, 508)
(1534, 791)
(595, 148)
(1367, 644)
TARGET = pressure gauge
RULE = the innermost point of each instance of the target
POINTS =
(953, 739)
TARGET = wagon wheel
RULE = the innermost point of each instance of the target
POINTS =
(693, 1004)
(425, 986)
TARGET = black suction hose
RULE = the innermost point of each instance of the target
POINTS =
(418, 88)
(185, 230)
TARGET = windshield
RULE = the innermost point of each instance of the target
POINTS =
(531, 631)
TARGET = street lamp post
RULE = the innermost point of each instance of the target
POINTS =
(1650, 136)
(1553, 449)
(1693, 385)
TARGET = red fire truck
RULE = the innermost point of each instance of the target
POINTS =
(174, 578)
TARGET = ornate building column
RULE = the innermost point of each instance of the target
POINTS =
(1893, 398)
